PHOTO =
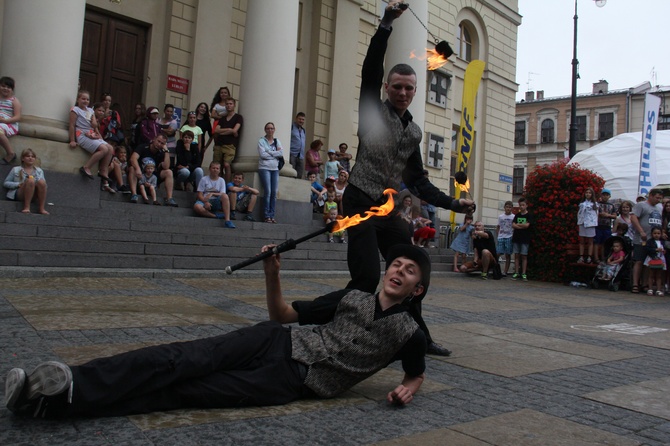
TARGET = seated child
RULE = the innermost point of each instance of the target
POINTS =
(328, 205)
(332, 216)
(318, 195)
(148, 181)
(242, 197)
(212, 200)
(609, 268)
(329, 185)
(622, 231)
(118, 169)
(26, 183)
(422, 230)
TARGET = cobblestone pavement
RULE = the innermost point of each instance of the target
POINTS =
(533, 363)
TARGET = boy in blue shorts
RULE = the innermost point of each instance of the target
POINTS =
(504, 232)
(212, 200)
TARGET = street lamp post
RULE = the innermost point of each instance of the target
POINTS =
(572, 148)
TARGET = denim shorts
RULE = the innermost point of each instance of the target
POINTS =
(215, 202)
(520, 248)
(505, 245)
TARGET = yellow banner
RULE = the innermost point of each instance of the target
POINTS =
(466, 133)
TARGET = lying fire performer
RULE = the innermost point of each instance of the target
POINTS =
(355, 334)
(388, 152)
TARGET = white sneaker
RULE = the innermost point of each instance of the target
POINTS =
(14, 383)
(48, 379)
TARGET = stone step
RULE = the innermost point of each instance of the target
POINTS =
(102, 230)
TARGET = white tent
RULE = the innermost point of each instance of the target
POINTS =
(617, 160)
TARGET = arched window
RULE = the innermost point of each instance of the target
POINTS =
(547, 131)
(464, 38)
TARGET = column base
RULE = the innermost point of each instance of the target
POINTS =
(49, 139)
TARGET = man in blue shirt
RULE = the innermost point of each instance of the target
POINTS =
(297, 158)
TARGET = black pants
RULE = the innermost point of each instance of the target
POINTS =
(248, 367)
(370, 238)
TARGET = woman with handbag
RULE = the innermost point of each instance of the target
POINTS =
(655, 261)
(269, 153)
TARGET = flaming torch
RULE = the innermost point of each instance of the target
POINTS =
(339, 225)
(434, 58)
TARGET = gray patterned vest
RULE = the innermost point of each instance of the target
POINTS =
(383, 151)
(352, 347)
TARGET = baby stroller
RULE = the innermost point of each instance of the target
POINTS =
(621, 278)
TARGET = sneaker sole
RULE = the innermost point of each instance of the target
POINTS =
(48, 379)
(14, 383)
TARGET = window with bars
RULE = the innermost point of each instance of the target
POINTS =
(605, 126)
(518, 180)
(581, 128)
(547, 131)
(663, 122)
(520, 133)
(464, 47)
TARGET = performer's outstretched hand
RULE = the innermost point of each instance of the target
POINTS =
(401, 395)
(468, 206)
(393, 11)
(271, 264)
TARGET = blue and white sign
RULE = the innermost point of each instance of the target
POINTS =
(647, 178)
(505, 178)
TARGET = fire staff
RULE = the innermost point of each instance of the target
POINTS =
(388, 152)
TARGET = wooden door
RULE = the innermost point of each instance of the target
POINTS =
(112, 60)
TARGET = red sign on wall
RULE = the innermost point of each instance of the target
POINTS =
(178, 84)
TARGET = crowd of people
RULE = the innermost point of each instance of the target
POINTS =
(123, 154)
(643, 228)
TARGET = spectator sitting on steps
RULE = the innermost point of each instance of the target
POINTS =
(212, 200)
(484, 246)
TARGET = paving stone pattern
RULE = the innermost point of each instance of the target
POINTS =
(533, 363)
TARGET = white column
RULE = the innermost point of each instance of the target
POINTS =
(41, 50)
(409, 35)
(346, 76)
(268, 71)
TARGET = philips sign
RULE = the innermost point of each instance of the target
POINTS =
(647, 178)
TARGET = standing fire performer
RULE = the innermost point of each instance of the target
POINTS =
(388, 152)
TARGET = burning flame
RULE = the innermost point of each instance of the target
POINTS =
(434, 60)
(374, 211)
(462, 187)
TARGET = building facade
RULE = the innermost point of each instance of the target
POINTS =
(277, 58)
(542, 126)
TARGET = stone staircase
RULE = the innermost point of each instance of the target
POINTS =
(90, 229)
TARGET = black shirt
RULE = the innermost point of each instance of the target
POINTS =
(485, 243)
(144, 151)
